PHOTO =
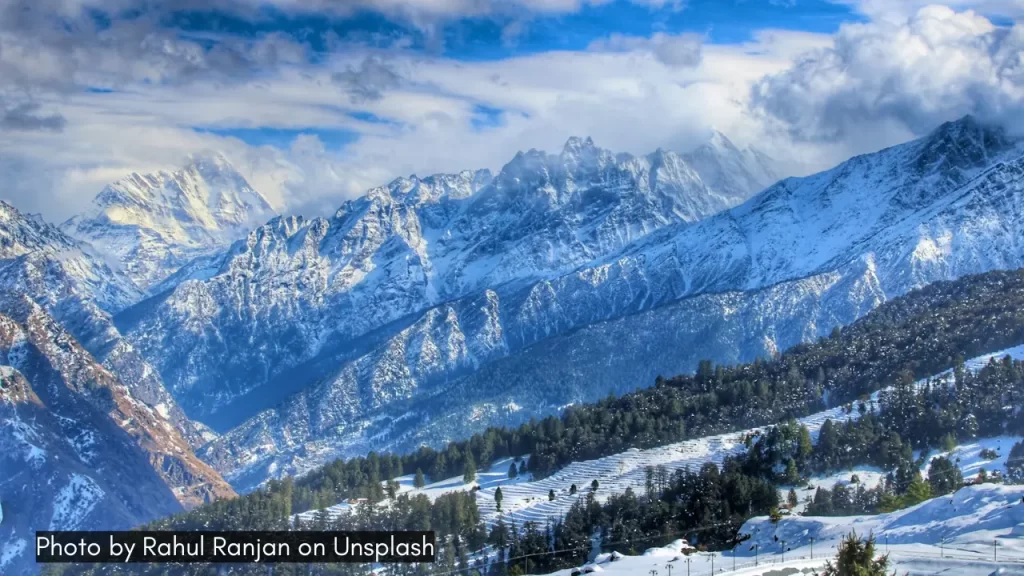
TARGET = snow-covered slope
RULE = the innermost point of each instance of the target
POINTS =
(152, 224)
(968, 521)
(75, 286)
(31, 250)
(89, 437)
(527, 500)
(325, 290)
(77, 450)
(65, 474)
(796, 260)
(981, 523)
(975, 532)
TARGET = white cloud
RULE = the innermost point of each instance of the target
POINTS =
(887, 81)
(628, 101)
(899, 10)
(677, 51)
(824, 97)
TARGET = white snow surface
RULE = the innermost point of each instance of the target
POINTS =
(401, 251)
(975, 532)
(73, 503)
(526, 500)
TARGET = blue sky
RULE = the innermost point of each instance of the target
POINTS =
(480, 38)
(317, 101)
(488, 38)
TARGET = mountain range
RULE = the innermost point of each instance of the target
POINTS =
(298, 298)
(433, 307)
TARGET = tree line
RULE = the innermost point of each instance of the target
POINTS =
(919, 334)
(922, 333)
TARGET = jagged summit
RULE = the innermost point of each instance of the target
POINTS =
(412, 244)
(539, 305)
(720, 141)
(575, 145)
(22, 233)
(155, 223)
(963, 142)
(33, 253)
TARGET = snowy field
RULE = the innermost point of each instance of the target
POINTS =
(494, 476)
(966, 456)
(977, 531)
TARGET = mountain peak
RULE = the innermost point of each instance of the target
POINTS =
(21, 233)
(154, 223)
(725, 168)
(215, 158)
(575, 144)
(7, 211)
(958, 149)
(969, 127)
(721, 140)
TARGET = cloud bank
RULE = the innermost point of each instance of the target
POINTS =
(899, 77)
(90, 91)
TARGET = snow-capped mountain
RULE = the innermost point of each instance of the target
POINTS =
(316, 293)
(803, 256)
(152, 224)
(32, 246)
(57, 301)
(74, 284)
(78, 450)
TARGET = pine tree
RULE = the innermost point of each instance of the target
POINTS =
(498, 497)
(917, 492)
(512, 471)
(551, 495)
(522, 468)
(804, 444)
(594, 485)
(469, 470)
(572, 490)
(499, 535)
(857, 558)
(419, 481)
(792, 475)
(1015, 463)
(791, 498)
(944, 477)
(948, 442)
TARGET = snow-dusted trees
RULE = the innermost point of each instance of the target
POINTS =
(857, 556)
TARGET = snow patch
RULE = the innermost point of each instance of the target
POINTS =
(11, 550)
(74, 502)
